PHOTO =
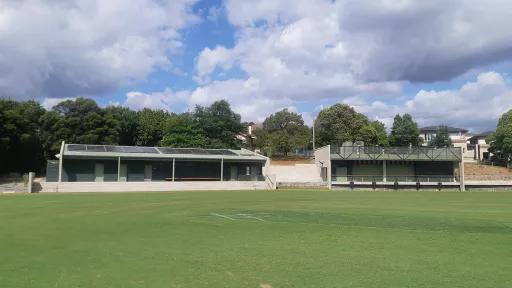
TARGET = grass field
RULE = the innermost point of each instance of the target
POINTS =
(257, 239)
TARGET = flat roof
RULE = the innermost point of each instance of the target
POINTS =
(114, 151)
(395, 153)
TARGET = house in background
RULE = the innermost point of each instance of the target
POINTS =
(459, 136)
(479, 146)
(248, 136)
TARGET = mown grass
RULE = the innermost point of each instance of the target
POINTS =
(249, 239)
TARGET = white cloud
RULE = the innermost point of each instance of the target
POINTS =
(378, 40)
(210, 59)
(476, 105)
(359, 52)
(158, 100)
(85, 47)
(48, 103)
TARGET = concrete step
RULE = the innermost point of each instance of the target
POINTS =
(147, 186)
(12, 188)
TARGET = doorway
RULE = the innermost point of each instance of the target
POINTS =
(99, 172)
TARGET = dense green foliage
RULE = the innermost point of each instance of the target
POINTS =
(220, 125)
(282, 132)
(304, 239)
(405, 132)
(150, 128)
(501, 140)
(125, 122)
(442, 138)
(341, 123)
(183, 131)
(380, 136)
(20, 135)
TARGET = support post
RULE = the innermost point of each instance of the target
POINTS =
(118, 169)
(329, 167)
(384, 171)
(314, 136)
(61, 159)
(173, 167)
(461, 172)
(222, 169)
(30, 184)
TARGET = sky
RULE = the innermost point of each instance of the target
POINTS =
(444, 62)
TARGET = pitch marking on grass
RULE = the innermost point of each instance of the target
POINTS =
(223, 216)
(252, 217)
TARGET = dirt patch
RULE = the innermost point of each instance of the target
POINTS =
(474, 171)
(264, 285)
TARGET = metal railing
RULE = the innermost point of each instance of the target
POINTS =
(271, 181)
(394, 178)
(395, 153)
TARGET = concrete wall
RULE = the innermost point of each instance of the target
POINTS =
(323, 160)
(298, 173)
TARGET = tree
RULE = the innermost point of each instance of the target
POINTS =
(501, 140)
(150, 126)
(125, 122)
(20, 142)
(76, 121)
(282, 132)
(375, 134)
(404, 132)
(442, 138)
(262, 141)
(341, 123)
(183, 131)
(220, 125)
(83, 121)
(53, 132)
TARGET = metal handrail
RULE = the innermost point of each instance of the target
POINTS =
(273, 182)
(396, 178)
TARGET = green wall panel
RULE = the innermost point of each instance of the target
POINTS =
(195, 170)
(110, 172)
(161, 171)
(135, 171)
(78, 170)
(52, 171)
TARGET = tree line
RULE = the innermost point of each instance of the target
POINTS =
(30, 134)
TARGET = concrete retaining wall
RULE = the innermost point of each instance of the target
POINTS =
(298, 173)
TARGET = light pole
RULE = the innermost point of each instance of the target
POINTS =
(314, 135)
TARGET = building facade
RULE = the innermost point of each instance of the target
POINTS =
(106, 163)
(479, 146)
(458, 136)
(385, 166)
